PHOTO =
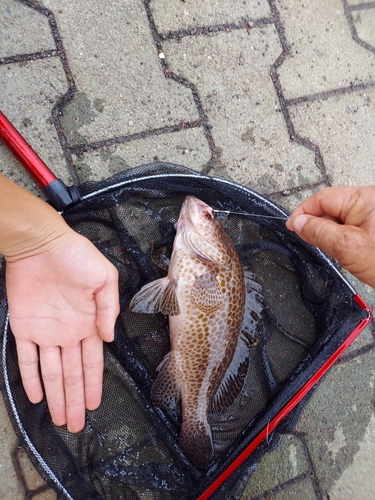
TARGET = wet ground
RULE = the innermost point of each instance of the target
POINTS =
(277, 95)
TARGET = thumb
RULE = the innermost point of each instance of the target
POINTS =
(107, 309)
(340, 241)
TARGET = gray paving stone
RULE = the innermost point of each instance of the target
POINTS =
(286, 462)
(23, 30)
(336, 417)
(231, 73)
(10, 487)
(45, 495)
(290, 200)
(323, 54)
(188, 148)
(358, 480)
(365, 25)
(29, 92)
(344, 128)
(32, 478)
(121, 86)
(359, 2)
(298, 490)
(185, 15)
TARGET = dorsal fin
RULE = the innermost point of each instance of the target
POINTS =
(234, 378)
(253, 304)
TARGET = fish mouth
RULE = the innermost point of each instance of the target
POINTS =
(193, 209)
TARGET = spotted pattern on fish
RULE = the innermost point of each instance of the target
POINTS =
(205, 278)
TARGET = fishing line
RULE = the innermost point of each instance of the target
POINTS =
(284, 218)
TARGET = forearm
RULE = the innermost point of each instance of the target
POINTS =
(28, 225)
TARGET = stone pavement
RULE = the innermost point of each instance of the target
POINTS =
(277, 95)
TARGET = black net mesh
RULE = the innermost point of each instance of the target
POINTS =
(128, 448)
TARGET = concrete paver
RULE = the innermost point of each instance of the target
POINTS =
(336, 124)
(297, 490)
(357, 3)
(14, 18)
(339, 415)
(278, 95)
(187, 17)
(188, 148)
(32, 479)
(10, 487)
(116, 69)
(30, 90)
(364, 23)
(366, 339)
(323, 55)
(285, 463)
(358, 480)
(259, 153)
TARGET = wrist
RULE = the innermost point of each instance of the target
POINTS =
(38, 233)
(28, 225)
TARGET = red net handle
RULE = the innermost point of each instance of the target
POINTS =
(24, 153)
(60, 196)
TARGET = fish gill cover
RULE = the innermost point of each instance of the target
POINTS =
(129, 448)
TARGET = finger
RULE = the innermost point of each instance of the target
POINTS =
(28, 362)
(52, 374)
(342, 242)
(93, 364)
(108, 307)
(74, 387)
(334, 201)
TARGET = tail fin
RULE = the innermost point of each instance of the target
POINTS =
(196, 443)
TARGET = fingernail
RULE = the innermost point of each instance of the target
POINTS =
(299, 222)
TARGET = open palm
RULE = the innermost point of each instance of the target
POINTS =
(62, 304)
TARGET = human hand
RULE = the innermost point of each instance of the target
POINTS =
(341, 222)
(64, 301)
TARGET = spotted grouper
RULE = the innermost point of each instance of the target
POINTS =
(204, 295)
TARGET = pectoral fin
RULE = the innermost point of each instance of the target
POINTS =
(157, 296)
(206, 293)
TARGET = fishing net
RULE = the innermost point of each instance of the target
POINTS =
(129, 448)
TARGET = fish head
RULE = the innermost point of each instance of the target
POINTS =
(197, 216)
(199, 231)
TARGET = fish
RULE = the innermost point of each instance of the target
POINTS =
(204, 295)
